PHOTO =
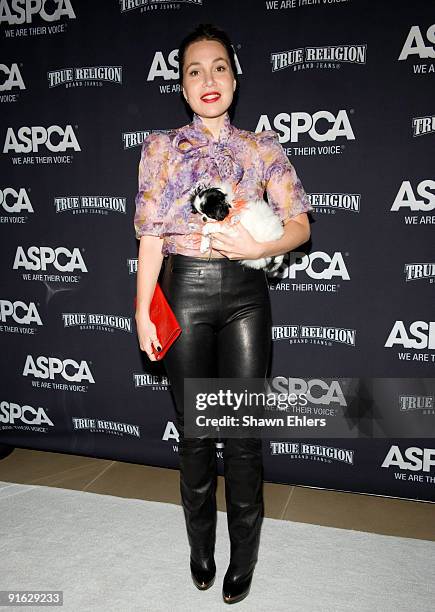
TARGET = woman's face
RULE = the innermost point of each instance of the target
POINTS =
(207, 69)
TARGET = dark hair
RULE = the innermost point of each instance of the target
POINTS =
(207, 31)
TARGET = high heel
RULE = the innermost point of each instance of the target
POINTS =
(245, 509)
(198, 479)
(235, 586)
(204, 574)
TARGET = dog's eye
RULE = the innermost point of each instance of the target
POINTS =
(204, 218)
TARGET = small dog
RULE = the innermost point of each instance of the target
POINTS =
(214, 204)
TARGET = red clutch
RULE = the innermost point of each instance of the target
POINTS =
(167, 327)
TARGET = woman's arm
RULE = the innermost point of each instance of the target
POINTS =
(149, 223)
(149, 263)
(243, 244)
(296, 232)
(286, 196)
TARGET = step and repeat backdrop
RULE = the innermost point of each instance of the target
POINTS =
(348, 87)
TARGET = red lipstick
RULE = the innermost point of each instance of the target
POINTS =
(212, 96)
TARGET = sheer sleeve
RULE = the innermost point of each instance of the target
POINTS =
(285, 192)
(152, 179)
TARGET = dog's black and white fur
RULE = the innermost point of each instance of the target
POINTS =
(213, 203)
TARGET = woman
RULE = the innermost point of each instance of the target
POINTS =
(223, 307)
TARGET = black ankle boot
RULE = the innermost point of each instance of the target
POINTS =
(203, 572)
(236, 586)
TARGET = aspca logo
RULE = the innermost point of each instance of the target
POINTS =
(38, 258)
(414, 458)
(167, 68)
(11, 412)
(421, 335)
(318, 265)
(162, 67)
(317, 391)
(13, 201)
(321, 126)
(52, 367)
(20, 312)
(29, 139)
(17, 12)
(408, 198)
(170, 433)
(12, 78)
(415, 44)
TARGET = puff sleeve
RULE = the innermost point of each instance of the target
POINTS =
(152, 179)
(285, 192)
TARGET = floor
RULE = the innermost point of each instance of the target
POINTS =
(387, 516)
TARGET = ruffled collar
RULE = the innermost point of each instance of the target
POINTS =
(197, 132)
(196, 140)
(225, 131)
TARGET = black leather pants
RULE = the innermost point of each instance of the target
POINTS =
(224, 311)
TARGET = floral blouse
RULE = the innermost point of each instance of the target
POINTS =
(173, 162)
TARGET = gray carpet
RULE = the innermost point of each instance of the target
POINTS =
(115, 554)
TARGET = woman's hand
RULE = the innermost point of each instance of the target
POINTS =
(146, 331)
(240, 246)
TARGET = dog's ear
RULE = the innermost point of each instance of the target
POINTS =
(192, 204)
(195, 192)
